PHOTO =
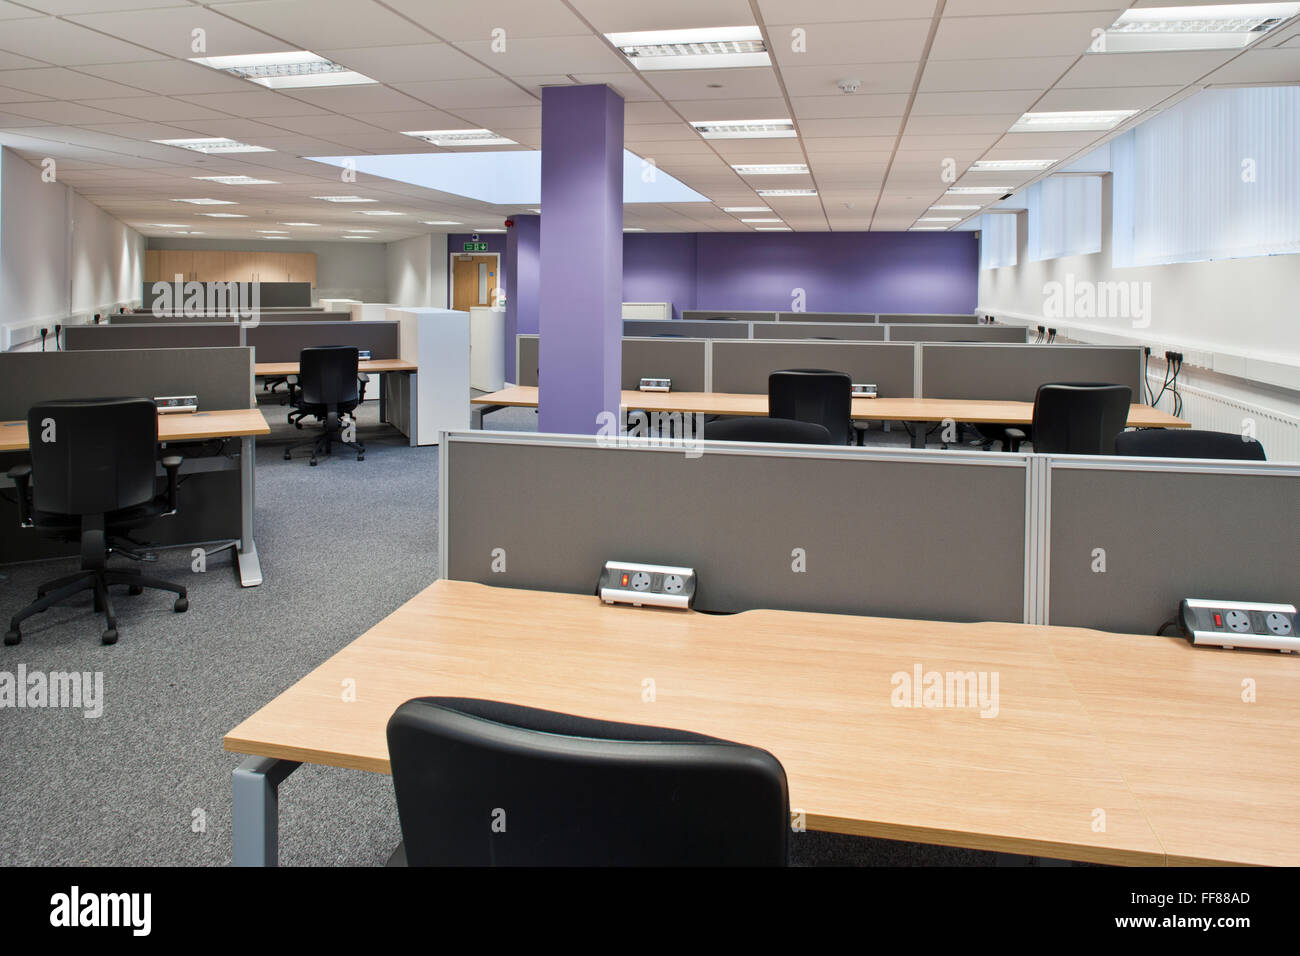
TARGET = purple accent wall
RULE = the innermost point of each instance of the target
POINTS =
(523, 282)
(580, 315)
(660, 267)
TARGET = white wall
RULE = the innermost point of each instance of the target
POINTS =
(417, 271)
(60, 254)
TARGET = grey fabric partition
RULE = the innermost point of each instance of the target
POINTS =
(690, 330)
(744, 519)
(745, 366)
(1166, 532)
(827, 317)
(682, 360)
(1014, 372)
(902, 332)
(222, 378)
(862, 332)
(270, 294)
(283, 341)
(154, 335)
(264, 315)
(715, 315)
(909, 319)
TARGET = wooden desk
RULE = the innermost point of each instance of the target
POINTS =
(815, 690)
(280, 369)
(242, 423)
(915, 410)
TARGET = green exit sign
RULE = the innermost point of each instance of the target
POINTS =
(475, 247)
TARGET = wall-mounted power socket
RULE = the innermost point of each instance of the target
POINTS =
(629, 582)
(862, 390)
(655, 385)
(171, 404)
(1232, 624)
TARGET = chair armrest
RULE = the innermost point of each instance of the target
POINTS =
(291, 379)
(172, 464)
(21, 476)
(1013, 438)
(363, 377)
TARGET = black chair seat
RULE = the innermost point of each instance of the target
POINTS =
(1188, 443)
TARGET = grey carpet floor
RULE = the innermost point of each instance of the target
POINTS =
(147, 783)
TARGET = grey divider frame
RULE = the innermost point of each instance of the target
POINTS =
(682, 360)
(691, 330)
(1013, 372)
(933, 319)
(745, 366)
(689, 315)
(1169, 530)
(855, 317)
(901, 332)
(851, 331)
(560, 506)
(263, 315)
(156, 335)
(281, 342)
(216, 497)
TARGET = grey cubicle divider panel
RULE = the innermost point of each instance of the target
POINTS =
(270, 294)
(945, 538)
(855, 317)
(222, 378)
(682, 360)
(1168, 531)
(901, 332)
(852, 331)
(684, 329)
(936, 319)
(745, 366)
(158, 335)
(283, 342)
(714, 315)
(526, 360)
(1014, 372)
(264, 315)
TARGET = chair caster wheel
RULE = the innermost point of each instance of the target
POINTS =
(313, 462)
(287, 456)
(135, 589)
(361, 457)
(110, 636)
(181, 606)
(13, 637)
(298, 425)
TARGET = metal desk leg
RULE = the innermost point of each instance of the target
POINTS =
(255, 810)
(383, 398)
(250, 569)
(918, 434)
(476, 413)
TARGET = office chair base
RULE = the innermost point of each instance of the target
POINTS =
(98, 580)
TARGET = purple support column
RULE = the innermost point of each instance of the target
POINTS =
(580, 313)
(523, 250)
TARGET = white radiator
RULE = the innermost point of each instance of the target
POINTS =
(647, 310)
(1279, 433)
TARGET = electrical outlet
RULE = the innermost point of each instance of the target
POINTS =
(862, 390)
(655, 385)
(629, 582)
(1232, 624)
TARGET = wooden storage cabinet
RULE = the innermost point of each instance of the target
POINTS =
(201, 265)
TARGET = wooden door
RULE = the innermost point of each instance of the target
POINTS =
(473, 279)
(209, 266)
(270, 267)
(239, 267)
(176, 262)
(300, 267)
(152, 266)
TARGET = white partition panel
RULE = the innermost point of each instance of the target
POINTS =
(438, 340)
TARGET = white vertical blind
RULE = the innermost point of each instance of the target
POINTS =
(997, 240)
(1064, 217)
(1216, 177)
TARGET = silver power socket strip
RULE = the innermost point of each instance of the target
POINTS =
(1230, 624)
(629, 582)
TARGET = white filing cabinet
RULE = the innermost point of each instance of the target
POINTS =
(487, 348)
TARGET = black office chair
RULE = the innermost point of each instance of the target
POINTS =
(484, 783)
(92, 479)
(1076, 418)
(757, 428)
(328, 391)
(1188, 443)
(813, 395)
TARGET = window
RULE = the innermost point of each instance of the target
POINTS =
(1064, 217)
(997, 240)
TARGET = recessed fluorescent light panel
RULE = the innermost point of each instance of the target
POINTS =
(745, 209)
(295, 70)
(300, 224)
(224, 215)
(633, 229)
(237, 180)
(746, 129)
(703, 49)
(208, 202)
(786, 192)
(1072, 121)
(168, 225)
(770, 169)
(1211, 27)
(928, 229)
(381, 212)
(773, 219)
(977, 190)
(1010, 165)
(939, 219)
(772, 229)
(351, 229)
(489, 230)
(344, 199)
(440, 222)
(213, 144)
(276, 231)
(954, 208)
(461, 137)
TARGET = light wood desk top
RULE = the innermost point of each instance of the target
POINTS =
(277, 369)
(884, 409)
(1149, 730)
(180, 426)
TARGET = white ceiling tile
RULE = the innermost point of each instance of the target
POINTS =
(452, 94)
(12, 61)
(171, 31)
(476, 21)
(1143, 69)
(254, 104)
(829, 11)
(1112, 98)
(356, 99)
(614, 16)
(867, 126)
(1104, 11)
(174, 77)
(63, 84)
(160, 109)
(821, 44)
(627, 84)
(413, 120)
(842, 106)
(874, 78)
(972, 123)
(1008, 73)
(748, 82)
(746, 108)
(56, 111)
(528, 56)
(409, 63)
(314, 24)
(1030, 35)
(66, 44)
(991, 101)
(1062, 143)
(1281, 65)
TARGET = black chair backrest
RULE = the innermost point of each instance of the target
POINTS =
(327, 374)
(767, 429)
(92, 456)
(813, 395)
(1079, 418)
(482, 783)
(1188, 443)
